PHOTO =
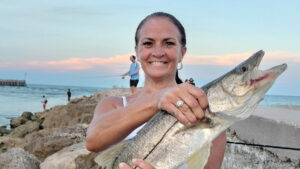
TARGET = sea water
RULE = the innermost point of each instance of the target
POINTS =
(15, 100)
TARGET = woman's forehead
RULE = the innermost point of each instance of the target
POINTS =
(159, 26)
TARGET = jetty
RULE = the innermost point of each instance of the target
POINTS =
(12, 82)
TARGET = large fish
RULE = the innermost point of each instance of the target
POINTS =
(167, 144)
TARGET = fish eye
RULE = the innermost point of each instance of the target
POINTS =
(244, 69)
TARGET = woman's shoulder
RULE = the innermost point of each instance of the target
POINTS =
(115, 101)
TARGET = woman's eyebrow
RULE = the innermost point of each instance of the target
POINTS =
(147, 38)
(166, 39)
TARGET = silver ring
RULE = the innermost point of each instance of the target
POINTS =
(179, 103)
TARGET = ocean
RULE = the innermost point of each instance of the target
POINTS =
(15, 100)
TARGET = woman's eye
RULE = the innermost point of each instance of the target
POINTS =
(147, 44)
(170, 43)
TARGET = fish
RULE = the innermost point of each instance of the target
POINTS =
(166, 143)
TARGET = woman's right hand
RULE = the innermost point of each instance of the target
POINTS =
(193, 98)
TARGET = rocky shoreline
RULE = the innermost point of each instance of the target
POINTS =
(55, 139)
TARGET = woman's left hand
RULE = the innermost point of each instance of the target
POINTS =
(139, 163)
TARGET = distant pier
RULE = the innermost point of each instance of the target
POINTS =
(12, 82)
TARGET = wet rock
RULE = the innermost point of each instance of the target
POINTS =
(73, 157)
(4, 131)
(17, 158)
(48, 141)
(25, 129)
(20, 120)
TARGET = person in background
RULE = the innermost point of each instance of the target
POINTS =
(44, 101)
(133, 73)
(160, 47)
(69, 95)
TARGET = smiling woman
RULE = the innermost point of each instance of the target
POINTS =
(160, 47)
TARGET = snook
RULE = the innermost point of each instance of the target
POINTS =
(167, 144)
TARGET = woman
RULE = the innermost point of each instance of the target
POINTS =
(160, 47)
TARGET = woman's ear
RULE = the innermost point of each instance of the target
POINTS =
(136, 54)
(183, 51)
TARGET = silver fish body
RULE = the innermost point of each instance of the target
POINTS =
(167, 144)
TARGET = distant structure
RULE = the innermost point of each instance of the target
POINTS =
(12, 82)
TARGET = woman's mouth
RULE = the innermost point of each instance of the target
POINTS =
(158, 62)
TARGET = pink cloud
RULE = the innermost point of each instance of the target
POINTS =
(120, 63)
(73, 64)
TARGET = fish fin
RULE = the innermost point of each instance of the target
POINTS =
(107, 157)
(199, 159)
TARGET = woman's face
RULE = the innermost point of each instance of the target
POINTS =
(159, 49)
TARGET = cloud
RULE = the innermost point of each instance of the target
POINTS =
(73, 64)
(120, 63)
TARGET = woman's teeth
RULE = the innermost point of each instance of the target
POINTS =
(157, 63)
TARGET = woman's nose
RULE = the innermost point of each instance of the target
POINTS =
(158, 51)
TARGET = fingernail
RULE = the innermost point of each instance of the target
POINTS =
(121, 165)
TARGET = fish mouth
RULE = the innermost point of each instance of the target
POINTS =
(262, 77)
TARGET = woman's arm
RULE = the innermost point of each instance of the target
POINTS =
(111, 124)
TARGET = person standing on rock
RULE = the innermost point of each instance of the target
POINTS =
(133, 73)
(160, 46)
(44, 101)
(69, 95)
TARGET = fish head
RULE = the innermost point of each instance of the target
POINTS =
(240, 90)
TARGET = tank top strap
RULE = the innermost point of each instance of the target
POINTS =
(124, 101)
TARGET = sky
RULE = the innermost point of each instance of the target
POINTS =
(88, 43)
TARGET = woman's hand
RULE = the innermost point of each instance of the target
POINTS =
(139, 163)
(185, 102)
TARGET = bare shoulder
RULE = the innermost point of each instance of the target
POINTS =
(107, 104)
(111, 101)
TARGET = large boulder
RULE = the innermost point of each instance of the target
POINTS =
(23, 130)
(62, 116)
(73, 157)
(48, 141)
(17, 158)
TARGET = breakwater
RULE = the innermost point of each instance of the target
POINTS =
(12, 82)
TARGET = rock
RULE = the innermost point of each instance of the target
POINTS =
(62, 116)
(7, 142)
(48, 141)
(27, 115)
(17, 158)
(73, 157)
(25, 129)
(20, 120)
(4, 131)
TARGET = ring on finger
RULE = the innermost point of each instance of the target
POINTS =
(179, 103)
